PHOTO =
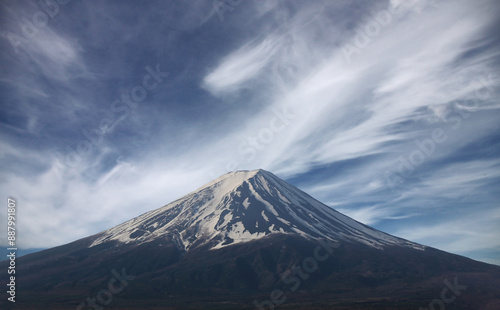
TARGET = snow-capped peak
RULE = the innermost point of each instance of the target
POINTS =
(241, 206)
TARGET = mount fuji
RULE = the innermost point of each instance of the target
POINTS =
(243, 206)
(249, 240)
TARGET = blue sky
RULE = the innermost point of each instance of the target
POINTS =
(388, 111)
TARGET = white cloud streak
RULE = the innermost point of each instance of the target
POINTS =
(239, 67)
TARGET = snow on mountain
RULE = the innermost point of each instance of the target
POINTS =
(242, 206)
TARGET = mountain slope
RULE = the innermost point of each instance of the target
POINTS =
(242, 206)
(235, 241)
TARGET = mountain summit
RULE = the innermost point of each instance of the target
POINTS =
(243, 206)
(249, 240)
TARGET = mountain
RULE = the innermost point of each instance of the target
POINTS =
(243, 206)
(249, 240)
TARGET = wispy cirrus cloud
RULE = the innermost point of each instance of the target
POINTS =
(239, 67)
(352, 120)
(461, 234)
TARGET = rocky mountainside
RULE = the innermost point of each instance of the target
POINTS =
(249, 240)
(242, 206)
